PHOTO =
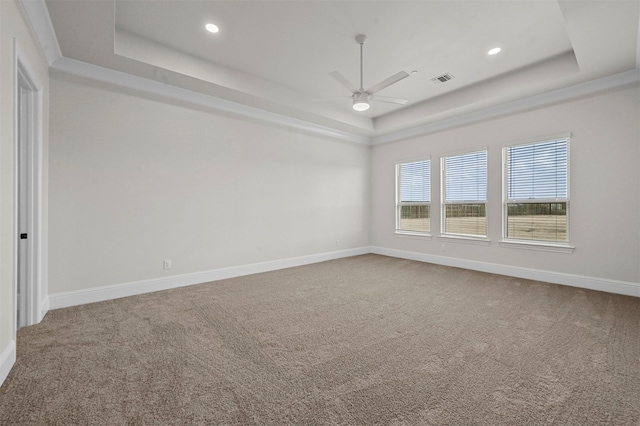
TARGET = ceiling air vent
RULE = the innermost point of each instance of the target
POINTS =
(442, 78)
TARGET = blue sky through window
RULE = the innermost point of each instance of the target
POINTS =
(415, 181)
(537, 171)
(466, 177)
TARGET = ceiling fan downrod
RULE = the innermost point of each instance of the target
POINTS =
(360, 39)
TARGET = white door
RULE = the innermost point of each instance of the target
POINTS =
(25, 129)
(28, 190)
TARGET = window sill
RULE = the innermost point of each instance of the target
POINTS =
(409, 234)
(481, 241)
(539, 246)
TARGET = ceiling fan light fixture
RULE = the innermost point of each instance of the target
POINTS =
(360, 106)
(361, 101)
(212, 28)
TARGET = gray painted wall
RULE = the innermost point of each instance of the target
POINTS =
(604, 175)
(135, 181)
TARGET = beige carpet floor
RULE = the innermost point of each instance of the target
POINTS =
(359, 341)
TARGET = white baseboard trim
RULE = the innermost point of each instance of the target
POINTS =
(7, 359)
(80, 297)
(44, 308)
(592, 283)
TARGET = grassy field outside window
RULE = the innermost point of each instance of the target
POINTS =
(464, 191)
(413, 185)
(536, 182)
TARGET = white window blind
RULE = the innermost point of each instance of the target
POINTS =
(537, 191)
(414, 196)
(464, 186)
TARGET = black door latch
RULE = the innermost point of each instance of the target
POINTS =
(23, 236)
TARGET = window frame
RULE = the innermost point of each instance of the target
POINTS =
(399, 204)
(538, 244)
(443, 197)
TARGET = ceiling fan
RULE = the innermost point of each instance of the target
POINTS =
(361, 97)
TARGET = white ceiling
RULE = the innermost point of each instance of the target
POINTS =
(277, 55)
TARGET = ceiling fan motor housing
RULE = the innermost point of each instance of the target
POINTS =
(361, 101)
(361, 97)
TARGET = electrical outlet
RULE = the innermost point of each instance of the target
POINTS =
(167, 264)
(442, 247)
(337, 243)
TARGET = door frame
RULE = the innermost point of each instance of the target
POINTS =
(24, 77)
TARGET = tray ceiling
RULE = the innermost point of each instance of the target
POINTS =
(277, 55)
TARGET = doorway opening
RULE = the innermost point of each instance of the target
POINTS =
(28, 194)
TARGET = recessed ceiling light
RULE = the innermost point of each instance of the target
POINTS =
(212, 28)
(494, 51)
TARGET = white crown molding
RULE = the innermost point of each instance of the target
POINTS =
(38, 16)
(122, 79)
(80, 297)
(592, 283)
(7, 359)
(520, 105)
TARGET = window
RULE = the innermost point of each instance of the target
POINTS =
(536, 191)
(464, 191)
(413, 197)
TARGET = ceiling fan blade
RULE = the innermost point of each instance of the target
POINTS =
(388, 100)
(330, 99)
(343, 80)
(388, 82)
